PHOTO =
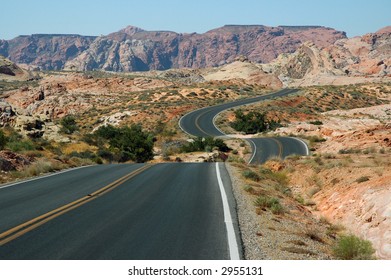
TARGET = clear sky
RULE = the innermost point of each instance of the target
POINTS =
(96, 17)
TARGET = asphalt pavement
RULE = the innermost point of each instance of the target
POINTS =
(201, 123)
(169, 211)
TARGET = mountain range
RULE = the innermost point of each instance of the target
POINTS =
(134, 49)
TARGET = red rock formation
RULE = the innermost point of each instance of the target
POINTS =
(134, 49)
(44, 51)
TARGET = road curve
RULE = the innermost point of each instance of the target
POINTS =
(169, 211)
(281, 147)
(201, 123)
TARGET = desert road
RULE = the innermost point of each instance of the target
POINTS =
(133, 211)
(201, 123)
(123, 211)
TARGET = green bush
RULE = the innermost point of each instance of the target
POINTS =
(128, 143)
(252, 122)
(68, 124)
(351, 247)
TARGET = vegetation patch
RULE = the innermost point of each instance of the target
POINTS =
(252, 122)
(207, 144)
(351, 247)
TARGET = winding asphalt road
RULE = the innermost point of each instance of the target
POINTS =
(127, 211)
(132, 211)
(201, 123)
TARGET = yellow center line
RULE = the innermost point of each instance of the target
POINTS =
(21, 229)
(197, 121)
(280, 148)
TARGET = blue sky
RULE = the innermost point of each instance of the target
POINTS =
(87, 17)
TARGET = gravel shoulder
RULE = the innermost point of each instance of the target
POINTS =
(295, 235)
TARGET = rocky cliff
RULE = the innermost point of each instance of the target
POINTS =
(44, 51)
(134, 49)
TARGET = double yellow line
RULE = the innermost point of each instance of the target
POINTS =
(21, 229)
(280, 148)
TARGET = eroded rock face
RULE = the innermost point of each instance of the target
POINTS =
(134, 49)
(366, 56)
(44, 51)
(7, 114)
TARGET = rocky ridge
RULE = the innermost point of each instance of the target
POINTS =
(134, 49)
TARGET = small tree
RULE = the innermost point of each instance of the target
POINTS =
(68, 124)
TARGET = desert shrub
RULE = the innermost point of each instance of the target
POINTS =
(68, 125)
(351, 247)
(248, 188)
(279, 177)
(362, 179)
(317, 122)
(285, 190)
(20, 145)
(315, 139)
(128, 143)
(41, 166)
(252, 122)
(277, 208)
(249, 174)
(105, 154)
(3, 140)
(349, 151)
(200, 144)
(235, 159)
(262, 201)
(269, 202)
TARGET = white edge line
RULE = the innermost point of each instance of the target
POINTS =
(254, 150)
(305, 145)
(43, 176)
(232, 243)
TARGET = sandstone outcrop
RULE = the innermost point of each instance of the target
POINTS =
(346, 61)
(10, 69)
